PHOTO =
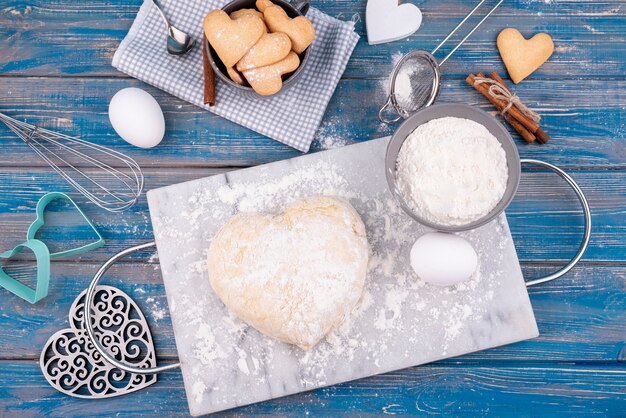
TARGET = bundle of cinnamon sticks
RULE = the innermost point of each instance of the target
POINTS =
(518, 118)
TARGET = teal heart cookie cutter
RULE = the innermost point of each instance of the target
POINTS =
(39, 222)
(42, 255)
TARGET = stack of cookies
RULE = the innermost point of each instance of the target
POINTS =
(259, 47)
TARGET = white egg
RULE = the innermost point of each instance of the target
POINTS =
(443, 259)
(137, 117)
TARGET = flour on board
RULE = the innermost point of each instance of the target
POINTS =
(393, 298)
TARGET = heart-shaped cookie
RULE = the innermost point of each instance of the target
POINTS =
(263, 4)
(245, 12)
(232, 38)
(71, 364)
(268, 80)
(271, 48)
(293, 276)
(236, 76)
(521, 56)
(42, 256)
(388, 21)
(299, 29)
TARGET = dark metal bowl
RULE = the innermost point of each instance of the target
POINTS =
(460, 111)
(294, 8)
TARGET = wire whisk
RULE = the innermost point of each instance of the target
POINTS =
(107, 178)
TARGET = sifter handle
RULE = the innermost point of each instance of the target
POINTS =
(383, 110)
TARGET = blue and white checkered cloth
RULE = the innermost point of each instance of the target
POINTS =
(291, 118)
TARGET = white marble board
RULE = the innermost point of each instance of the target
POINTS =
(400, 322)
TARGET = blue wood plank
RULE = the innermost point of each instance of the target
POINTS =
(545, 217)
(579, 92)
(587, 130)
(581, 318)
(57, 37)
(494, 390)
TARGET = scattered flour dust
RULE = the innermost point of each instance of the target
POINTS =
(452, 171)
(207, 348)
(330, 135)
(395, 304)
(386, 83)
(158, 311)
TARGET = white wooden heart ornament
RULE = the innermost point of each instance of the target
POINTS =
(387, 21)
(71, 364)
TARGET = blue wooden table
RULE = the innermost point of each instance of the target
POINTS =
(55, 71)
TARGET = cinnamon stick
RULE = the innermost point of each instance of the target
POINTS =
(526, 135)
(500, 104)
(209, 77)
(517, 114)
(541, 135)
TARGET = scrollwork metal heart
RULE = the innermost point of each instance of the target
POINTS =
(71, 364)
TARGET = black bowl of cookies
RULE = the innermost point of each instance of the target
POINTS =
(259, 48)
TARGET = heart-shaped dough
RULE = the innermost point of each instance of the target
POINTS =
(271, 48)
(522, 57)
(387, 21)
(299, 29)
(71, 364)
(268, 80)
(232, 39)
(292, 276)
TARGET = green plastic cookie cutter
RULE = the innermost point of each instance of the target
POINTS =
(42, 253)
(39, 222)
(18, 288)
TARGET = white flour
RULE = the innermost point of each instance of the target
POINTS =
(408, 83)
(452, 171)
(403, 88)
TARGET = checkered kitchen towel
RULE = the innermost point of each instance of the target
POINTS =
(291, 118)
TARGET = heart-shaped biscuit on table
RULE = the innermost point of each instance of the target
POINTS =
(268, 80)
(299, 29)
(232, 39)
(388, 21)
(293, 276)
(271, 48)
(521, 56)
